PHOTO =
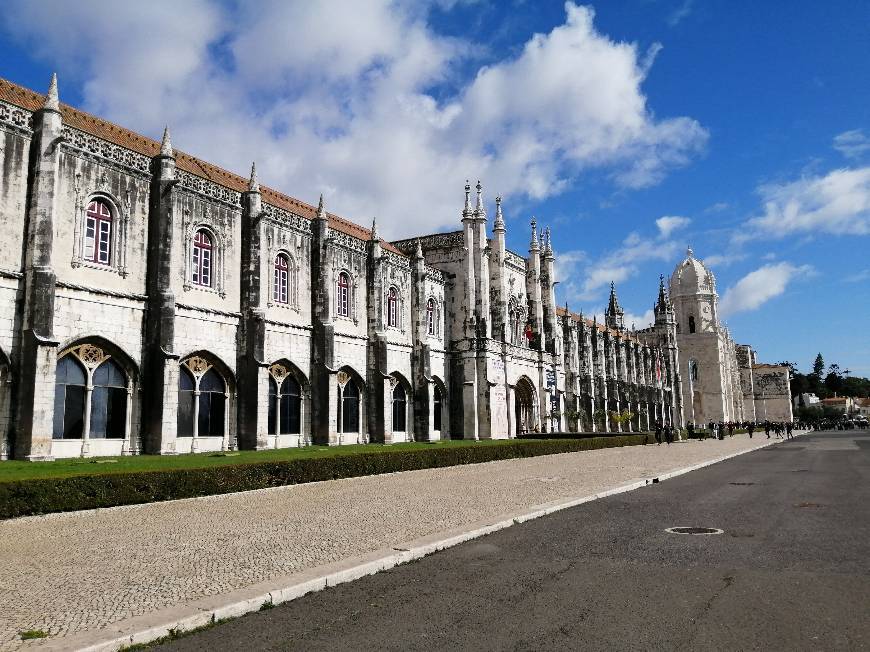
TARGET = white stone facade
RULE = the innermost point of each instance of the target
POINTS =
(163, 305)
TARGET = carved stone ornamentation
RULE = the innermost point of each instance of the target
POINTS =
(198, 366)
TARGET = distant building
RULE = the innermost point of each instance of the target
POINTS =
(862, 406)
(807, 399)
(840, 403)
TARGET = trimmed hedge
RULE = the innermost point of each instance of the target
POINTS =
(46, 495)
(579, 435)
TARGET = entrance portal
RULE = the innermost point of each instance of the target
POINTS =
(524, 406)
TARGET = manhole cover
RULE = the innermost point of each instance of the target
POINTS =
(693, 530)
(809, 506)
(742, 484)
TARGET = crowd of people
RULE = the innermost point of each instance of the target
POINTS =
(719, 430)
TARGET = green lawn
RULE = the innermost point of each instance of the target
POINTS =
(14, 470)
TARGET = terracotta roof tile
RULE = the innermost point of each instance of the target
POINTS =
(32, 101)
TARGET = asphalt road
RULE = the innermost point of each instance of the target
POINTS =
(791, 571)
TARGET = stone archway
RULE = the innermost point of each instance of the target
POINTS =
(525, 412)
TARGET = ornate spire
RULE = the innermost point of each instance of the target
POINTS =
(51, 102)
(498, 225)
(253, 184)
(375, 234)
(467, 212)
(321, 213)
(166, 145)
(533, 245)
(689, 252)
(614, 316)
(548, 243)
(663, 297)
(418, 251)
(479, 210)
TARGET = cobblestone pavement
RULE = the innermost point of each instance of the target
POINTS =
(66, 573)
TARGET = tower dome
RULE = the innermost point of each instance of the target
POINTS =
(692, 277)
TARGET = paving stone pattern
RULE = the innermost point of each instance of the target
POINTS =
(67, 573)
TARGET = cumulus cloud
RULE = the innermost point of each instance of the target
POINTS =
(585, 277)
(368, 104)
(852, 144)
(668, 224)
(760, 286)
(837, 203)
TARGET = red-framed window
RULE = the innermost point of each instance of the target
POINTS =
(203, 249)
(281, 290)
(393, 308)
(342, 297)
(98, 233)
(430, 317)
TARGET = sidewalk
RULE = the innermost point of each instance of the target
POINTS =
(76, 573)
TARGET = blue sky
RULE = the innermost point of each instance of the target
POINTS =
(632, 128)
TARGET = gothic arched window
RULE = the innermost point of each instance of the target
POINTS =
(400, 408)
(98, 233)
(430, 317)
(393, 308)
(693, 370)
(201, 404)
(342, 296)
(106, 394)
(350, 407)
(202, 258)
(281, 289)
(691, 324)
(436, 412)
(109, 402)
(69, 399)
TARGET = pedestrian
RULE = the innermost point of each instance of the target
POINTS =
(658, 433)
(767, 429)
(690, 427)
(750, 428)
(730, 428)
(669, 434)
(788, 429)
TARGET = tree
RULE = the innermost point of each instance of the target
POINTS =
(792, 367)
(819, 366)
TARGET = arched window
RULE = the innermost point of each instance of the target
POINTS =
(107, 390)
(212, 399)
(350, 408)
(98, 233)
(69, 399)
(693, 370)
(186, 389)
(393, 308)
(430, 317)
(342, 295)
(691, 324)
(202, 415)
(400, 408)
(202, 258)
(281, 289)
(109, 402)
(291, 407)
(436, 411)
(273, 406)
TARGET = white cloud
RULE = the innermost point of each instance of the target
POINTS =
(852, 144)
(859, 277)
(639, 321)
(760, 286)
(588, 276)
(837, 203)
(668, 224)
(678, 14)
(723, 260)
(368, 104)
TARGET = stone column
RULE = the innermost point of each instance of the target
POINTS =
(37, 356)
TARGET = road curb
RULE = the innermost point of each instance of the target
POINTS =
(205, 611)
